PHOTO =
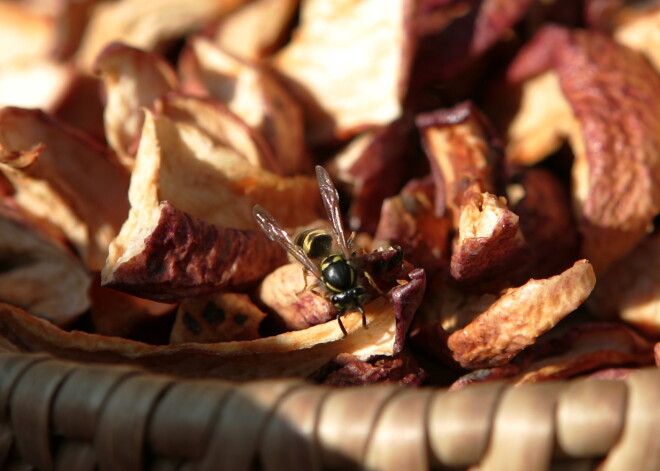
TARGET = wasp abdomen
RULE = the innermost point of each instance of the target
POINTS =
(338, 274)
(316, 243)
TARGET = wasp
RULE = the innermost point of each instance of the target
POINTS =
(313, 249)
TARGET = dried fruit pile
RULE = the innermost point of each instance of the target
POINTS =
(510, 148)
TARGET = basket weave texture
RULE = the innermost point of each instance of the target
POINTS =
(65, 415)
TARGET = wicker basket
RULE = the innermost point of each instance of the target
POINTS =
(65, 415)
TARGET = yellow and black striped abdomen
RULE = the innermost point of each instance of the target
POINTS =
(316, 243)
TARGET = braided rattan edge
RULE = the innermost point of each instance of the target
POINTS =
(65, 415)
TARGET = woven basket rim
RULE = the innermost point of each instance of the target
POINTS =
(62, 412)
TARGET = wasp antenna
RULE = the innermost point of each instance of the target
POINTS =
(373, 284)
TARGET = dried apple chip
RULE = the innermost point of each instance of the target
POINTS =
(455, 33)
(542, 122)
(586, 347)
(299, 353)
(346, 370)
(634, 24)
(217, 184)
(254, 93)
(282, 291)
(144, 24)
(348, 80)
(223, 127)
(546, 221)
(449, 308)
(133, 79)
(120, 314)
(630, 291)
(519, 316)
(219, 317)
(256, 29)
(64, 177)
(463, 150)
(38, 272)
(639, 31)
(29, 33)
(601, 347)
(489, 240)
(373, 166)
(165, 254)
(40, 84)
(192, 232)
(30, 74)
(409, 221)
(616, 171)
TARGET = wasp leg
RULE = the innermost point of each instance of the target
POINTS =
(305, 273)
(373, 284)
(364, 317)
(341, 324)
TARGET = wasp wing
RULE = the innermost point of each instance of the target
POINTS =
(330, 199)
(276, 233)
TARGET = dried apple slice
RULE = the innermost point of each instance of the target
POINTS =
(144, 24)
(489, 240)
(64, 177)
(165, 254)
(348, 80)
(463, 151)
(630, 291)
(223, 127)
(542, 122)
(639, 31)
(546, 221)
(586, 347)
(38, 272)
(40, 84)
(449, 308)
(454, 34)
(634, 24)
(295, 309)
(299, 353)
(82, 107)
(216, 184)
(409, 221)
(120, 314)
(255, 94)
(192, 232)
(616, 169)
(607, 349)
(29, 33)
(133, 79)
(519, 316)
(346, 370)
(373, 166)
(30, 75)
(219, 317)
(256, 29)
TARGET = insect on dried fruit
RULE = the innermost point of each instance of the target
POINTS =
(337, 275)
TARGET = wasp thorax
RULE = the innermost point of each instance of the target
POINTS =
(316, 243)
(338, 274)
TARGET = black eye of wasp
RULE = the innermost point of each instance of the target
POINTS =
(338, 274)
